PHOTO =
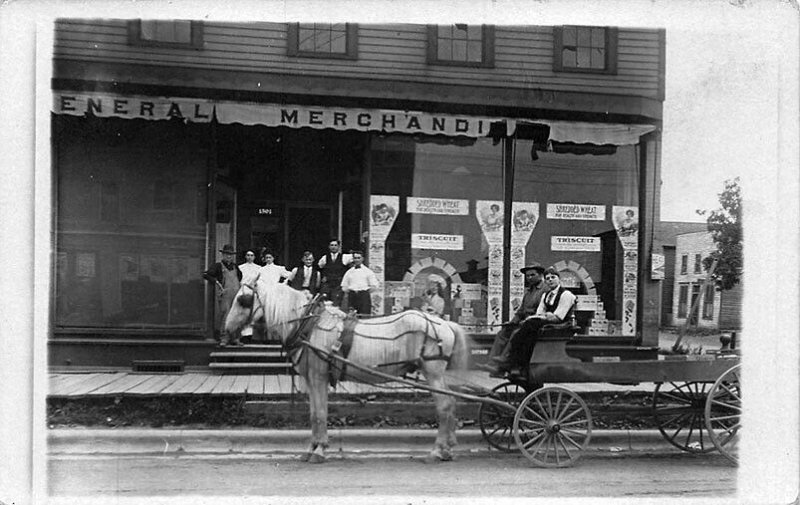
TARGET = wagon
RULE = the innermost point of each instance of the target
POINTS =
(696, 404)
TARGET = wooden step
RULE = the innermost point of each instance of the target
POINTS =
(252, 367)
(249, 355)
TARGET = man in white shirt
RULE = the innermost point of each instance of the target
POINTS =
(555, 307)
(357, 284)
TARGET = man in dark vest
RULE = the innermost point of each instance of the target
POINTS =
(332, 266)
(555, 307)
(305, 277)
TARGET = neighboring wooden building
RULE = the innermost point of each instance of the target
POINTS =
(665, 240)
(716, 309)
(172, 138)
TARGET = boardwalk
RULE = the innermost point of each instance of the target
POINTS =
(135, 384)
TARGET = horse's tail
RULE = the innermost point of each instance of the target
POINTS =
(459, 360)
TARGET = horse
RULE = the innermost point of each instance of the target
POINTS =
(310, 329)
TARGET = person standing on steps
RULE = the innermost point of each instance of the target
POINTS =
(226, 277)
(332, 266)
(357, 284)
(306, 277)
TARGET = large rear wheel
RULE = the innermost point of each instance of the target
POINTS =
(552, 427)
(678, 413)
(723, 413)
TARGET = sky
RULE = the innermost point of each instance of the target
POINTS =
(719, 90)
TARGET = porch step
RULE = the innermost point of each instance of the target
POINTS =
(267, 359)
(232, 368)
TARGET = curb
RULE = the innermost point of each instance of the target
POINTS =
(177, 441)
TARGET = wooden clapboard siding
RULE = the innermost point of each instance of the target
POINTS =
(730, 310)
(396, 53)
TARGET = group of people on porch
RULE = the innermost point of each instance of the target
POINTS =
(340, 277)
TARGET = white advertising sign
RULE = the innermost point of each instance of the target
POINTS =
(444, 206)
(435, 241)
(572, 243)
(582, 211)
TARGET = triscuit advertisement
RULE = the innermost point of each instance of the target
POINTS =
(573, 243)
(578, 211)
(445, 206)
(436, 241)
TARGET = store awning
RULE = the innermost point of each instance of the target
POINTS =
(198, 110)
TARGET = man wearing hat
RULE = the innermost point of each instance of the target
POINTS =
(536, 287)
(226, 276)
(555, 307)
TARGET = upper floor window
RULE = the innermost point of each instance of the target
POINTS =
(161, 33)
(323, 40)
(461, 45)
(585, 49)
(698, 263)
(684, 263)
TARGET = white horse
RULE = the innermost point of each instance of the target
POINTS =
(395, 343)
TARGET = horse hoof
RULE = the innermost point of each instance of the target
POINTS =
(316, 458)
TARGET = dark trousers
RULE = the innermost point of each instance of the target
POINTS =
(332, 289)
(523, 340)
(360, 301)
(500, 346)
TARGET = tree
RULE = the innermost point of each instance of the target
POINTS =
(725, 225)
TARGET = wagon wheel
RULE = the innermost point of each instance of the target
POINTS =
(723, 411)
(678, 413)
(552, 427)
(496, 423)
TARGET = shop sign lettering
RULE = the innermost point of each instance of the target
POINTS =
(79, 104)
(445, 206)
(572, 243)
(586, 212)
(435, 241)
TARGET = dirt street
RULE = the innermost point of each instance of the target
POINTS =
(406, 476)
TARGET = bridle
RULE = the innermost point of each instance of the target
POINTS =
(250, 302)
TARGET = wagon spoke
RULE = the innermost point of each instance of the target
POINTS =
(535, 414)
(724, 418)
(573, 423)
(571, 415)
(570, 440)
(561, 438)
(565, 409)
(679, 399)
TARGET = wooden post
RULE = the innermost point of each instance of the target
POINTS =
(694, 307)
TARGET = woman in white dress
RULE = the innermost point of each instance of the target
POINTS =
(250, 271)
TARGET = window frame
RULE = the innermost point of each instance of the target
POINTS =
(708, 302)
(135, 36)
(683, 300)
(487, 49)
(351, 43)
(611, 51)
(698, 263)
(684, 264)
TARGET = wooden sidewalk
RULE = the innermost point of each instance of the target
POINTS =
(75, 385)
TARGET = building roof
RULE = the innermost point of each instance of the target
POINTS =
(667, 231)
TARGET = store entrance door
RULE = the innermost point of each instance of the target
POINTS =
(308, 227)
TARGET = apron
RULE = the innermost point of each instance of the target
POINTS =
(230, 285)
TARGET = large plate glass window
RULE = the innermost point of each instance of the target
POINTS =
(131, 224)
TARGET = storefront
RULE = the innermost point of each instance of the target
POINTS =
(447, 207)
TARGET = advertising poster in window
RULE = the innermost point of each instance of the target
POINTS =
(441, 206)
(576, 211)
(524, 217)
(383, 212)
(626, 222)
(489, 214)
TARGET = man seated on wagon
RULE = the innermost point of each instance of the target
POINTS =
(536, 288)
(554, 308)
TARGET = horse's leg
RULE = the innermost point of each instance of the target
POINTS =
(318, 386)
(445, 411)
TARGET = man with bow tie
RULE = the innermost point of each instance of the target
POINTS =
(555, 307)
(305, 277)
(357, 284)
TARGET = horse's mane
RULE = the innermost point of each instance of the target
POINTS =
(282, 304)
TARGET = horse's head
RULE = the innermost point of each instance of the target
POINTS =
(242, 309)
